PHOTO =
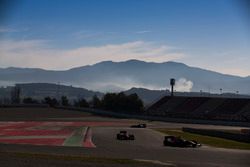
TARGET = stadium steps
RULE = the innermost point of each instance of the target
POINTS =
(155, 108)
(207, 107)
(228, 109)
(165, 105)
(168, 107)
(244, 113)
(185, 109)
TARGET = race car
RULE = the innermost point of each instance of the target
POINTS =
(139, 126)
(123, 135)
(179, 142)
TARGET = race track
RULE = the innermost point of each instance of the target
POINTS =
(100, 135)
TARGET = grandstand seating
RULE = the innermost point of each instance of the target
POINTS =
(170, 106)
(170, 103)
(244, 113)
(155, 108)
(159, 103)
(185, 109)
(228, 109)
(208, 108)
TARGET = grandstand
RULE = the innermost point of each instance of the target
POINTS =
(209, 106)
(185, 109)
(244, 114)
(206, 108)
(165, 106)
(228, 109)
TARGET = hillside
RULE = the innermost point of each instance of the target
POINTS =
(41, 90)
(119, 76)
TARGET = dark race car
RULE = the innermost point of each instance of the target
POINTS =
(179, 142)
(123, 135)
(139, 126)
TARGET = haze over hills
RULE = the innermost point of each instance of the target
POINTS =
(117, 76)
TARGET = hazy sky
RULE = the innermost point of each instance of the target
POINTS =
(61, 34)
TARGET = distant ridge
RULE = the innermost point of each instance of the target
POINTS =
(40, 90)
(120, 76)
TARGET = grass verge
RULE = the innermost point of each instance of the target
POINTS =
(208, 140)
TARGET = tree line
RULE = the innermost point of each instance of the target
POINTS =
(119, 102)
(110, 101)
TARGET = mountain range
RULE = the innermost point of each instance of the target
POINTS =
(111, 76)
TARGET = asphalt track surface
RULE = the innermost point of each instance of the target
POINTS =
(148, 144)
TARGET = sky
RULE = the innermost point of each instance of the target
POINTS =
(63, 34)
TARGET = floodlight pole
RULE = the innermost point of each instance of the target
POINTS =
(172, 83)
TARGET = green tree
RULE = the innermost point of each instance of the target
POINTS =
(108, 101)
(29, 100)
(81, 103)
(15, 95)
(65, 101)
(122, 103)
(135, 104)
(50, 101)
(96, 102)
